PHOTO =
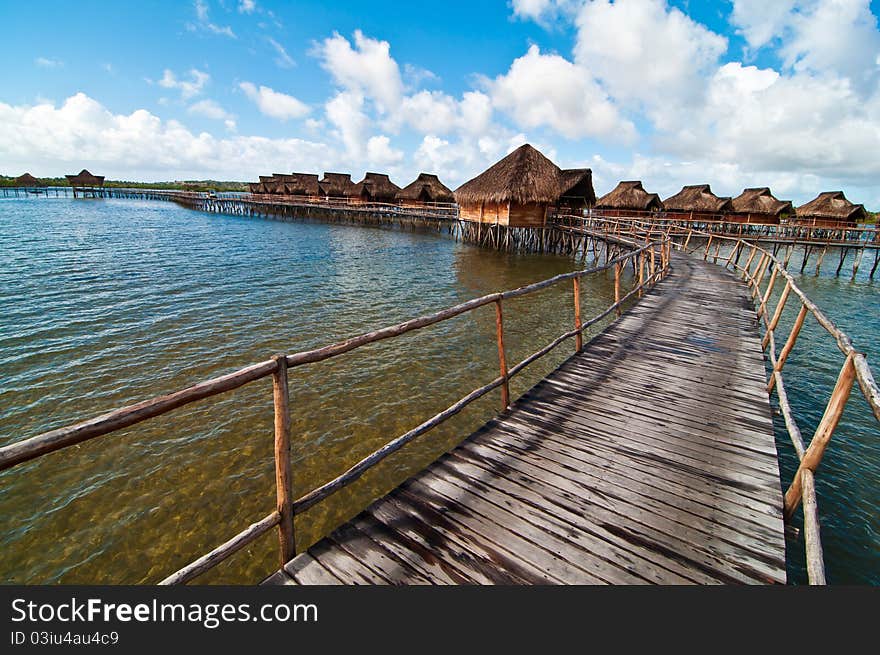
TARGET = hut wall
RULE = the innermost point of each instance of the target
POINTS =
(759, 219)
(530, 215)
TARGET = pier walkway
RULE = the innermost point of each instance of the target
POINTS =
(648, 457)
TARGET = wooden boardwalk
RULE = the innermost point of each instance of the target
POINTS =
(647, 458)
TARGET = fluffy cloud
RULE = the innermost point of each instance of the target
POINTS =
(82, 132)
(645, 52)
(345, 111)
(210, 109)
(274, 103)
(188, 88)
(548, 90)
(367, 67)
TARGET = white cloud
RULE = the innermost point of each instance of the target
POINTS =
(188, 88)
(644, 52)
(204, 21)
(345, 112)
(367, 68)
(82, 132)
(210, 109)
(542, 10)
(283, 59)
(760, 21)
(274, 103)
(247, 6)
(547, 90)
(45, 62)
(380, 153)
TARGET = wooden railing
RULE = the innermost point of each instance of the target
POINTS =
(650, 261)
(758, 265)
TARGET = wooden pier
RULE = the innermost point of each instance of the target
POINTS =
(648, 457)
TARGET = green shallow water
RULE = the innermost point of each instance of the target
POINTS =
(104, 303)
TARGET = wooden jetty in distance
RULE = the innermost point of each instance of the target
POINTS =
(648, 456)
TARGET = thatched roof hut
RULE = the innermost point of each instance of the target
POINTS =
(337, 185)
(630, 196)
(28, 181)
(425, 188)
(831, 208)
(697, 199)
(576, 188)
(85, 179)
(297, 184)
(255, 187)
(758, 205)
(516, 191)
(377, 187)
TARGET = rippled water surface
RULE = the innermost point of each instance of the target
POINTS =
(104, 303)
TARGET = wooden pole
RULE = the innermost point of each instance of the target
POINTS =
(283, 478)
(767, 293)
(777, 314)
(822, 437)
(786, 349)
(812, 537)
(749, 263)
(641, 273)
(579, 338)
(502, 359)
(617, 288)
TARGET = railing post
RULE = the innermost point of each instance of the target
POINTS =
(759, 274)
(786, 349)
(777, 314)
(283, 481)
(641, 273)
(746, 272)
(822, 437)
(617, 268)
(767, 293)
(708, 245)
(502, 359)
(579, 337)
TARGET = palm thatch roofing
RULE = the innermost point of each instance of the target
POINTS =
(630, 195)
(337, 185)
(427, 187)
(85, 179)
(524, 176)
(697, 198)
(759, 200)
(378, 187)
(298, 184)
(577, 183)
(833, 206)
(27, 180)
(255, 187)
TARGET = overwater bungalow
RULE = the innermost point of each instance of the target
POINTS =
(27, 181)
(697, 202)
(84, 179)
(758, 205)
(831, 209)
(377, 187)
(517, 191)
(629, 198)
(426, 188)
(302, 184)
(337, 185)
(576, 191)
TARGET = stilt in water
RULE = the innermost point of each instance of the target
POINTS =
(806, 258)
(843, 252)
(821, 257)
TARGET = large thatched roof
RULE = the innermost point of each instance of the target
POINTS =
(426, 188)
(337, 185)
(630, 195)
(759, 200)
(84, 178)
(378, 187)
(697, 198)
(524, 176)
(298, 184)
(832, 205)
(27, 180)
(577, 183)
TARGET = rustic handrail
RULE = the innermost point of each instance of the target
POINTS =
(25, 450)
(855, 367)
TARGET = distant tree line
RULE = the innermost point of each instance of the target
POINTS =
(177, 185)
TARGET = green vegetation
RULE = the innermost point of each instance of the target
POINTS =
(177, 185)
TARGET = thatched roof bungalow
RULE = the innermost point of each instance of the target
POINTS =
(297, 184)
(516, 191)
(337, 185)
(85, 179)
(757, 205)
(377, 187)
(629, 198)
(576, 189)
(697, 202)
(28, 181)
(424, 189)
(831, 209)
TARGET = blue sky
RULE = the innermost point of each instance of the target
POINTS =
(735, 93)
